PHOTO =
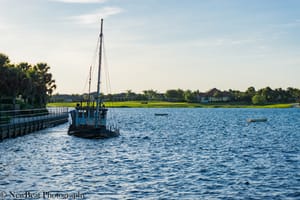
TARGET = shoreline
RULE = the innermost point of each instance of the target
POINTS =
(164, 104)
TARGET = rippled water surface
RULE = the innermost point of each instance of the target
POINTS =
(189, 154)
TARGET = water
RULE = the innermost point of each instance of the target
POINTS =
(189, 154)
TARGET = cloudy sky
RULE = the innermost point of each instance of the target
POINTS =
(158, 44)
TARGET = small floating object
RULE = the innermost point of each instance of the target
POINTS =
(257, 120)
(161, 114)
(146, 138)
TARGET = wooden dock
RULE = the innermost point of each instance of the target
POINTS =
(18, 123)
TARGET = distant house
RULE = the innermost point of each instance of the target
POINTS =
(214, 95)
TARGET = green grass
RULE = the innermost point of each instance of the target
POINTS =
(287, 105)
(164, 104)
(62, 104)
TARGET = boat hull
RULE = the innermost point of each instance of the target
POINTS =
(92, 132)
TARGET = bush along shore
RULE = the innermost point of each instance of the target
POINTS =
(164, 104)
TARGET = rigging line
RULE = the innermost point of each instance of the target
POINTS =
(95, 60)
(108, 90)
(91, 66)
(85, 84)
(107, 81)
(107, 74)
(105, 68)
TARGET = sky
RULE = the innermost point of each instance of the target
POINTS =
(157, 44)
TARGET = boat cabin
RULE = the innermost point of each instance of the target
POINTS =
(86, 116)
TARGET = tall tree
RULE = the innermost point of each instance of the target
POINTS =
(175, 95)
(4, 60)
(4, 63)
(250, 92)
(151, 94)
(190, 96)
(32, 83)
(26, 85)
(259, 99)
(43, 82)
(267, 93)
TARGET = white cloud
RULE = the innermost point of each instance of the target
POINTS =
(215, 42)
(81, 1)
(95, 17)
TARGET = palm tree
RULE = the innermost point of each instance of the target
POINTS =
(26, 85)
(34, 83)
(150, 94)
(4, 63)
(44, 83)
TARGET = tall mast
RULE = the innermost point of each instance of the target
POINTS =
(99, 74)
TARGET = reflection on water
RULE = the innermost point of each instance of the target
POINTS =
(189, 154)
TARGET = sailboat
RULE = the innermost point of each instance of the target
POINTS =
(91, 121)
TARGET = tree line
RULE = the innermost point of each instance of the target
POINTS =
(262, 96)
(250, 96)
(25, 84)
(32, 85)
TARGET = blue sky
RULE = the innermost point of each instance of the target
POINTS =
(158, 44)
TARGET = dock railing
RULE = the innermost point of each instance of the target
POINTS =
(19, 122)
(21, 116)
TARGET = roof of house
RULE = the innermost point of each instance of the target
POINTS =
(214, 92)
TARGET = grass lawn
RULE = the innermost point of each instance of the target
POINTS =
(164, 104)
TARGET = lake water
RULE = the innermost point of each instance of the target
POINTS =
(189, 154)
